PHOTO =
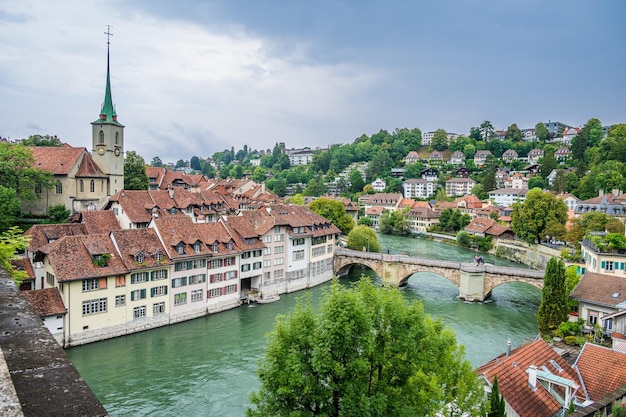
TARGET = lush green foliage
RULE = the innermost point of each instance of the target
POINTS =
(334, 211)
(58, 214)
(135, 177)
(367, 352)
(394, 223)
(452, 220)
(11, 242)
(496, 401)
(39, 140)
(553, 307)
(363, 238)
(531, 218)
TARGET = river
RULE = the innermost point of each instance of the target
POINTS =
(206, 367)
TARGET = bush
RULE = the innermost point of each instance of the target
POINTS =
(570, 340)
(619, 410)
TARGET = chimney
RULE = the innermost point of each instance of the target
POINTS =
(532, 376)
(508, 347)
(601, 194)
(616, 192)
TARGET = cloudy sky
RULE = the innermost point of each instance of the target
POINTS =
(192, 77)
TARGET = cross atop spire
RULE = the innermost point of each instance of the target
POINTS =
(107, 114)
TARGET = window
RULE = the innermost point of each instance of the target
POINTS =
(231, 289)
(278, 273)
(279, 238)
(138, 277)
(138, 294)
(158, 274)
(117, 138)
(246, 255)
(279, 261)
(279, 249)
(215, 247)
(609, 265)
(180, 298)
(276, 229)
(267, 275)
(59, 188)
(173, 210)
(229, 261)
(180, 248)
(196, 295)
(298, 255)
(267, 263)
(258, 253)
(593, 318)
(158, 308)
(215, 263)
(298, 242)
(329, 249)
(50, 279)
(139, 312)
(120, 300)
(99, 305)
(179, 282)
(158, 255)
(158, 291)
(267, 238)
(92, 186)
(82, 186)
(245, 267)
(196, 279)
(230, 275)
(230, 245)
(215, 292)
(90, 284)
(256, 265)
(213, 278)
(101, 137)
(197, 247)
(267, 251)
(139, 257)
(120, 281)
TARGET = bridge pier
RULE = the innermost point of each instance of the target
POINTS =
(472, 286)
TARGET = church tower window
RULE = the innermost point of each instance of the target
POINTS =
(59, 187)
(117, 138)
(82, 186)
(101, 137)
(92, 186)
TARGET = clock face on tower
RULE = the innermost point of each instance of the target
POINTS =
(117, 151)
(101, 150)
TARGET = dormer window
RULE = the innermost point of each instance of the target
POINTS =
(139, 257)
(173, 210)
(215, 247)
(158, 255)
(197, 247)
(230, 245)
(180, 248)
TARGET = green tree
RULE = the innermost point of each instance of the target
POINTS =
(486, 130)
(571, 281)
(156, 162)
(259, 174)
(553, 307)
(11, 242)
(9, 207)
(496, 401)
(39, 140)
(17, 172)
(334, 211)
(440, 140)
(513, 133)
(530, 218)
(463, 239)
(560, 182)
(315, 187)
(195, 163)
(363, 237)
(541, 132)
(365, 221)
(367, 352)
(548, 164)
(479, 191)
(356, 181)
(536, 182)
(58, 214)
(135, 177)
(475, 133)
(488, 179)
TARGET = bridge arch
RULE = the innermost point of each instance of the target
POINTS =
(344, 267)
(493, 280)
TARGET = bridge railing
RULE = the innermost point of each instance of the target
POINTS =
(464, 266)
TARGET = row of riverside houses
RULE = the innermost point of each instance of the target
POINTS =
(97, 280)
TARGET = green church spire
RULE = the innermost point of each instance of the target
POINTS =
(107, 114)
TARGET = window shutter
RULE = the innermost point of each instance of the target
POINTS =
(222, 290)
(208, 294)
(183, 281)
(103, 283)
(143, 293)
(235, 287)
(132, 296)
(152, 292)
(166, 290)
(152, 273)
(603, 265)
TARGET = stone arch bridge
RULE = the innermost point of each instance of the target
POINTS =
(475, 283)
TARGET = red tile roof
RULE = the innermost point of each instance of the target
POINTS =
(58, 160)
(600, 289)
(46, 302)
(99, 221)
(603, 370)
(88, 168)
(131, 242)
(43, 234)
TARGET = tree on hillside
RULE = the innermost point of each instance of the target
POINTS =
(394, 223)
(315, 187)
(488, 180)
(366, 352)
(548, 164)
(156, 162)
(363, 237)
(541, 132)
(39, 140)
(553, 307)
(560, 183)
(195, 163)
(356, 181)
(614, 147)
(486, 130)
(496, 401)
(334, 211)
(513, 133)
(530, 218)
(440, 140)
(135, 177)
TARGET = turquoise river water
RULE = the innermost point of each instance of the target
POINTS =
(207, 366)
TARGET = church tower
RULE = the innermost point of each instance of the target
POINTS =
(107, 139)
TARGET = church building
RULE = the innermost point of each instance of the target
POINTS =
(84, 180)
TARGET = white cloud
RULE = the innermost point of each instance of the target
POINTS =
(181, 89)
